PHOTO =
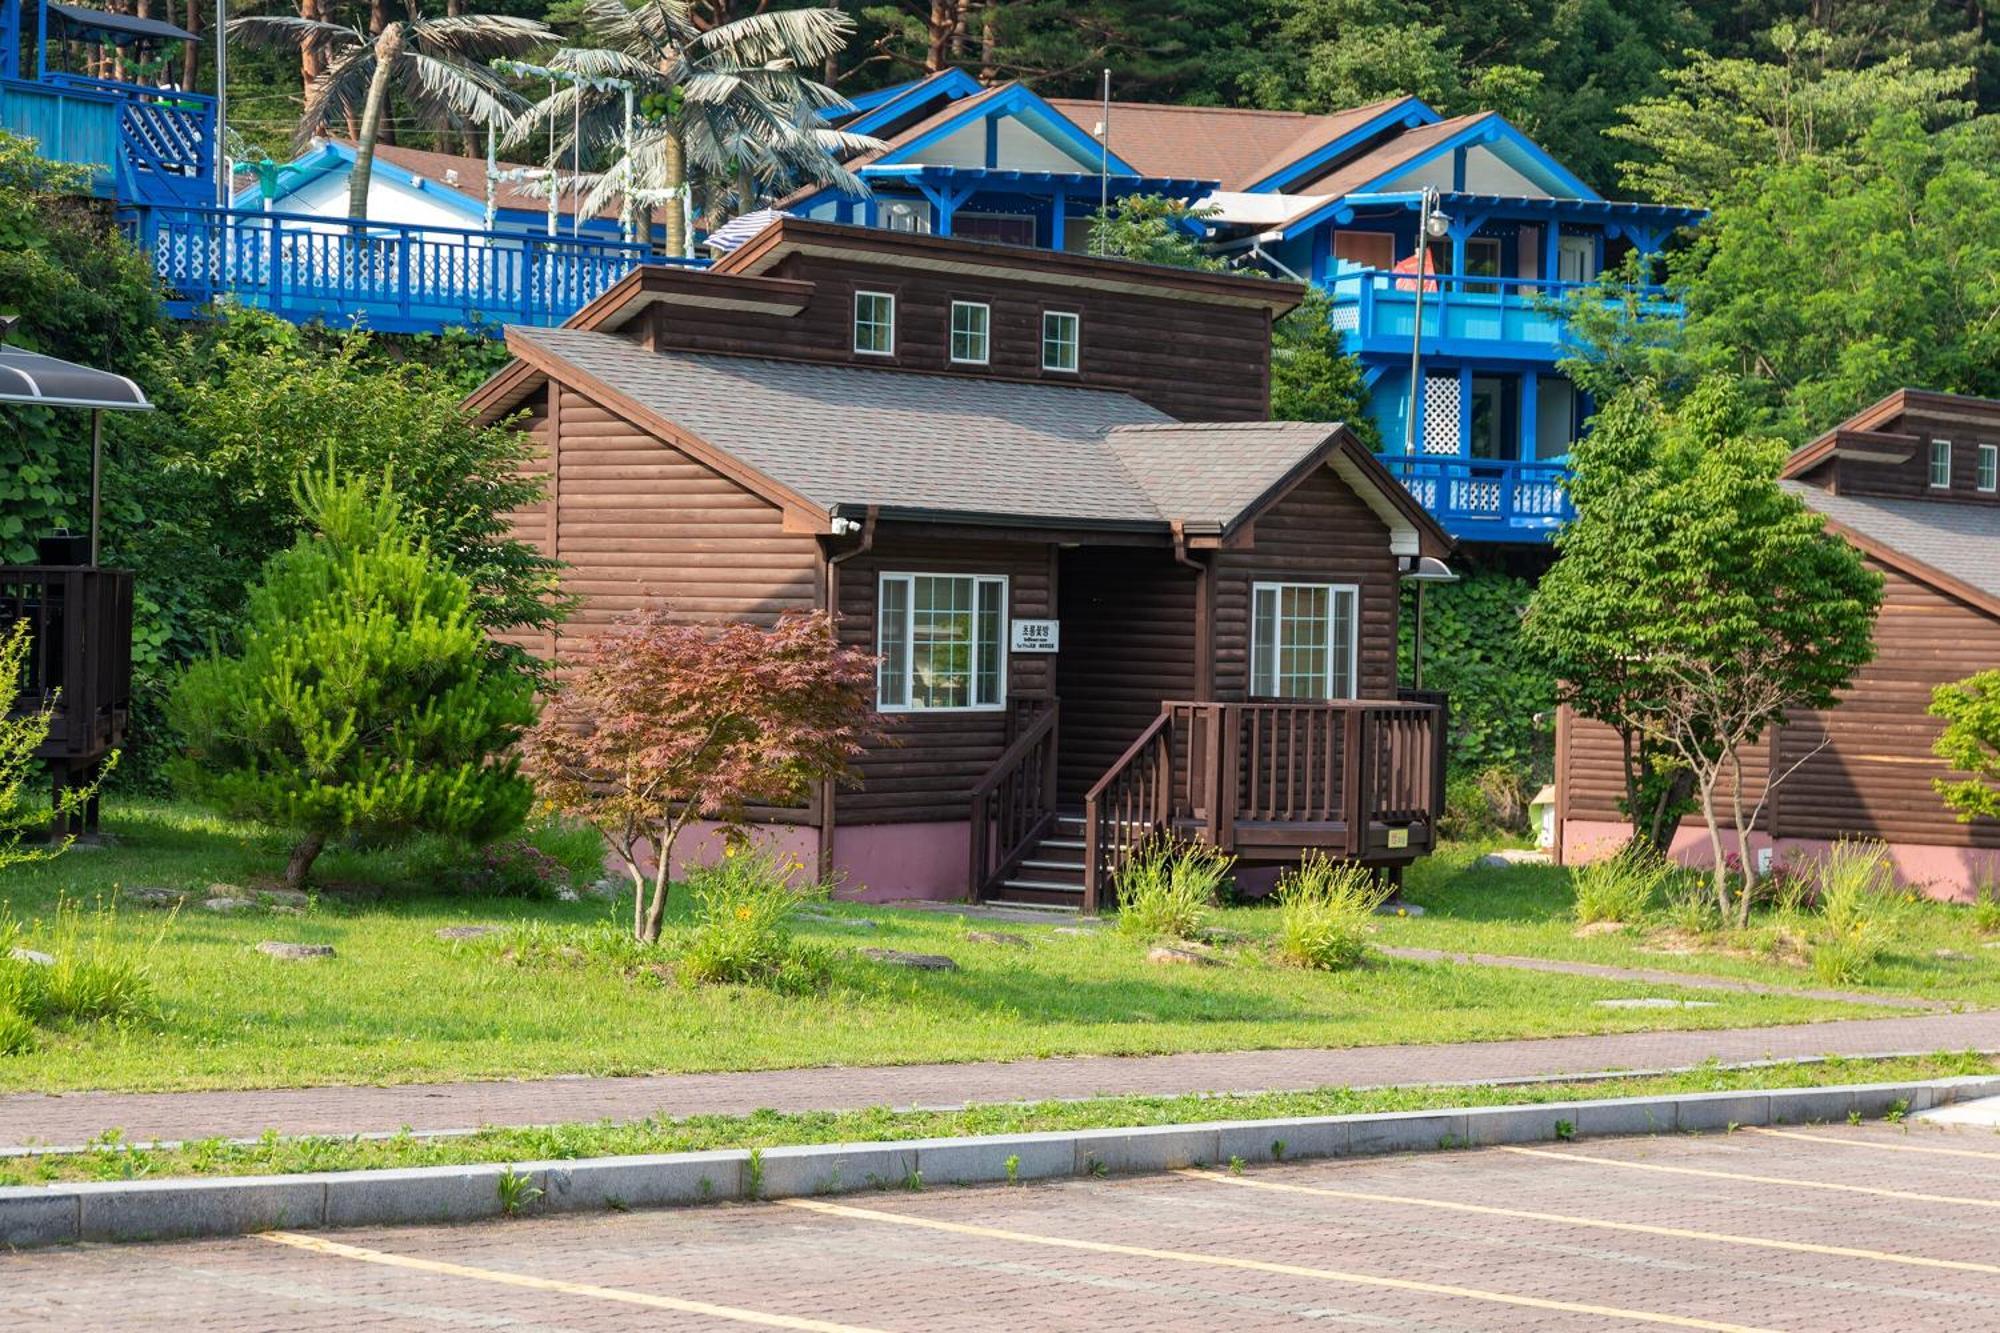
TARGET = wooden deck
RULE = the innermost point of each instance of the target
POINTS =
(79, 658)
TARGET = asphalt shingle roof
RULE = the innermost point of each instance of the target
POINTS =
(852, 435)
(1955, 538)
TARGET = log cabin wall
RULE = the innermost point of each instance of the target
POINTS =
(1873, 778)
(1194, 360)
(1129, 642)
(1321, 532)
(927, 770)
(1918, 418)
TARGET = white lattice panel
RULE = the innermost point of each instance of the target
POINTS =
(1441, 414)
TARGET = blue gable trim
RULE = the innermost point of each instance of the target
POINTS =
(1020, 102)
(1408, 113)
(1490, 129)
(335, 158)
(874, 110)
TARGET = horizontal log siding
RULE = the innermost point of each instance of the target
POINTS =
(638, 522)
(535, 524)
(1910, 480)
(1874, 777)
(1128, 644)
(1593, 771)
(927, 770)
(1192, 360)
(1320, 533)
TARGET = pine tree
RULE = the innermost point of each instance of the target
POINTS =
(364, 698)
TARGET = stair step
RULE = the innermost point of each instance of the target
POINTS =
(1045, 885)
(1035, 863)
(1053, 909)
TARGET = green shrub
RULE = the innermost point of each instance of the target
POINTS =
(1986, 910)
(1168, 887)
(1619, 888)
(1324, 911)
(511, 868)
(17, 1034)
(743, 908)
(1856, 889)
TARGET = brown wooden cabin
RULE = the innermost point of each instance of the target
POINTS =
(1914, 483)
(1095, 618)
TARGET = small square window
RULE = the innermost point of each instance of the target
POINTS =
(1989, 467)
(1940, 464)
(1059, 336)
(969, 321)
(875, 323)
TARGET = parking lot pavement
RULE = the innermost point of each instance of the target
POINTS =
(1821, 1228)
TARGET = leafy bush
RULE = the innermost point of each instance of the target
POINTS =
(1619, 888)
(1856, 887)
(1986, 910)
(365, 697)
(1324, 909)
(1168, 887)
(743, 908)
(95, 977)
(17, 1034)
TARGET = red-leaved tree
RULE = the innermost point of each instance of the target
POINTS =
(669, 723)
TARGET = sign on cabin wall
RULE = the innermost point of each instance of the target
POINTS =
(1036, 636)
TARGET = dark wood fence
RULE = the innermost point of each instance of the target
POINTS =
(79, 655)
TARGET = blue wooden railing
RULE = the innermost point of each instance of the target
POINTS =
(1487, 500)
(391, 277)
(144, 145)
(1514, 319)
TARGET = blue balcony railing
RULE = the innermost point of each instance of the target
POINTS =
(1479, 499)
(144, 145)
(1493, 319)
(391, 277)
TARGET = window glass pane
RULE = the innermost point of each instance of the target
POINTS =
(1989, 467)
(1342, 645)
(1302, 642)
(1940, 462)
(991, 651)
(1059, 333)
(968, 332)
(940, 642)
(1264, 643)
(874, 322)
(892, 676)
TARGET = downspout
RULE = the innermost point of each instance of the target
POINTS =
(832, 597)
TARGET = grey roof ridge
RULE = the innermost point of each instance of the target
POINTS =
(1109, 437)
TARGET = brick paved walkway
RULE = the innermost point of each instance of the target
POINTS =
(1655, 976)
(68, 1119)
(1836, 1229)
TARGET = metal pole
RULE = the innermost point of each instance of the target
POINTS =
(1417, 324)
(576, 164)
(631, 221)
(551, 181)
(221, 103)
(1103, 168)
(1417, 646)
(96, 477)
(492, 186)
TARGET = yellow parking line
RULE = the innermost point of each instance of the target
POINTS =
(1602, 1224)
(1265, 1266)
(1912, 1195)
(618, 1294)
(1871, 1143)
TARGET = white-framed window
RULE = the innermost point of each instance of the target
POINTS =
(1940, 464)
(1060, 329)
(970, 321)
(1989, 467)
(1304, 640)
(875, 323)
(942, 639)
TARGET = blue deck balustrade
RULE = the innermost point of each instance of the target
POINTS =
(390, 277)
(1478, 499)
(1499, 321)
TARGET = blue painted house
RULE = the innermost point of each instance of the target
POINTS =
(1335, 199)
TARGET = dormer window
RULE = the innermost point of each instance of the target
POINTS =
(1989, 468)
(1059, 338)
(875, 323)
(970, 321)
(1940, 465)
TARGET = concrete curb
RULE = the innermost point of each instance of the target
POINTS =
(144, 1210)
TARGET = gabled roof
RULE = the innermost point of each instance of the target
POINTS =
(820, 438)
(1949, 545)
(431, 172)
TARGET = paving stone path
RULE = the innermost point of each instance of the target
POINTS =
(1655, 976)
(41, 1119)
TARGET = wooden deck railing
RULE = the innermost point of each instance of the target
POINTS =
(1015, 803)
(80, 652)
(1360, 779)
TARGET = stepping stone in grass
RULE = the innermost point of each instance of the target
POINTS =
(996, 937)
(829, 919)
(1515, 856)
(228, 904)
(34, 956)
(466, 932)
(149, 896)
(1653, 1002)
(1397, 907)
(923, 962)
(280, 897)
(295, 952)
(1167, 954)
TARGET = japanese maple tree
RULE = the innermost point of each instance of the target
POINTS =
(669, 723)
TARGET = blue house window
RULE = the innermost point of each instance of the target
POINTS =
(875, 323)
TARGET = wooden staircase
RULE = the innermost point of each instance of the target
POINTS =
(1050, 873)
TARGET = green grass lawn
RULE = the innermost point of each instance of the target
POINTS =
(1935, 953)
(397, 1004)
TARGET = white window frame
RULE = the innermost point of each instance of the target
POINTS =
(985, 334)
(908, 579)
(1989, 468)
(1075, 342)
(1334, 591)
(1940, 453)
(890, 350)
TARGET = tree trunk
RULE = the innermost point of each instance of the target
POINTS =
(1742, 838)
(387, 47)
(301, 863)
(674, 154)
(466, 146)
(1720, 873)
(746, 190)
(190, 51)
(944, 19)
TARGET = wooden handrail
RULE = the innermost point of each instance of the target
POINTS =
(1128, 804)
(1014, 803)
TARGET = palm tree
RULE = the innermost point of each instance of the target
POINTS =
(436, 64)
(726, 101)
